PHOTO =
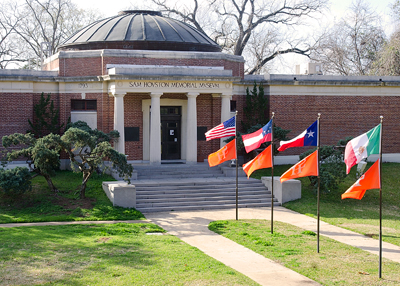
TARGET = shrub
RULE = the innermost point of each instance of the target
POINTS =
(15, 181)
(332, 168)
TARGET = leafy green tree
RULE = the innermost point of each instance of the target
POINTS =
(88, 149)
(46, 118)
(42, 154)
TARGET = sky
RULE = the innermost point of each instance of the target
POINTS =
(337, 9)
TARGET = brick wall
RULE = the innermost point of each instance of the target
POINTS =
(341, 116)
(134, 118)
(209, 115)
(80, 67)
(15, 110)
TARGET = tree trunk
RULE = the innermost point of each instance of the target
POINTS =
(50, 183)
(86, 176)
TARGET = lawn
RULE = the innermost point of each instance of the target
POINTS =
(43, 205)
(361, 216)
(116, 254)
(335, 264)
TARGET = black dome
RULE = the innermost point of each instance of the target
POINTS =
(140, 30)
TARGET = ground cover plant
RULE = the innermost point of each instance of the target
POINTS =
(335, 264)
(115, 254)
(361, 216)
(43, 205)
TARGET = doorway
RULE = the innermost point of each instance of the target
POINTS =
(170, 132)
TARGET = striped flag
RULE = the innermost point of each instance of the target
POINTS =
(225, 129)
(254, 140)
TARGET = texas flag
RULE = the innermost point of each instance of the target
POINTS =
(307, 138)
(254, 140)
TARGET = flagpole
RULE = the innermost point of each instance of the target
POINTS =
(380, 201)
(319, 181)
(272, 173)
(237, 163)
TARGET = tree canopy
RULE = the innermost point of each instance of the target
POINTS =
(254, 29)
(351, 45)
(26, 26)
(88, 149)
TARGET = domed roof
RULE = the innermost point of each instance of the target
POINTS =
(140, 30)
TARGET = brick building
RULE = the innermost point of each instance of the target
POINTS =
(162, 84)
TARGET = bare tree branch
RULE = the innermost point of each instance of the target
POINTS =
(236, 21)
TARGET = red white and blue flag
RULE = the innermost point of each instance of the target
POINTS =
(307, 138)
(254, 140)
(225, 129)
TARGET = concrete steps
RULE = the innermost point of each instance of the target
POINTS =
(187, 187)
(178, 171)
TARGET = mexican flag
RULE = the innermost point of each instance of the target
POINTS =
(361, 147)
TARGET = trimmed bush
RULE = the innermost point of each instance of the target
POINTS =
(15, 181)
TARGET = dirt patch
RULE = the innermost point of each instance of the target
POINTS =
(67, 203)
(103, 239)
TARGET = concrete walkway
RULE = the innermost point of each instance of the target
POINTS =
(192, 227)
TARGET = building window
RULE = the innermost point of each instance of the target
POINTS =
(201, 130)
(233, 105)
(83, 104)
(132, 134)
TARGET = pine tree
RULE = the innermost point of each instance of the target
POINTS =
(46, 118)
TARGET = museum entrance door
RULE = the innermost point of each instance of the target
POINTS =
(170, 132)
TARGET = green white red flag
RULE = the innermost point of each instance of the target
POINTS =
(369, 180)
(361, 147)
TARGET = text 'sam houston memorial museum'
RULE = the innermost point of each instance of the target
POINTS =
(162, 84)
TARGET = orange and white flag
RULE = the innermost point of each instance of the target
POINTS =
(261, 161)
(369, 180)
(228, 152)
(306, 167)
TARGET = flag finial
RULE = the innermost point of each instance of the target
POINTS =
(319, 115)
(381, 118)
(273, 114)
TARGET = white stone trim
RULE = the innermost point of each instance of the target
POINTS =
(146, 54)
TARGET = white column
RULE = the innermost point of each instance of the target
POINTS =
(225, 107)
(119, 121)
(225, 112)
(155, 129)
(191, 133)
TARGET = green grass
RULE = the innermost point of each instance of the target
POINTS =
(361, 216)
(43, 205)
(117, 254)
(335, 264)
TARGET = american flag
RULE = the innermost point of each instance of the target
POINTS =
(225, 129)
